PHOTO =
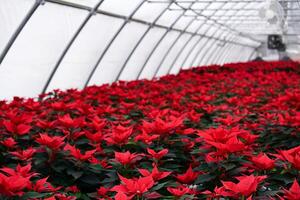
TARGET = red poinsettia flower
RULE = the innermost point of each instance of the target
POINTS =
(157, 155)
(42, 185)
(293, 193)
(246, 185)
(179, 191)
(189, 176)
(24, 154)
(19, 129)
(52, 142)
(102, 192)
(76, 153)
(127, 158)
(262, 161)
(120, 135)
(13, 185)
(156, 174)
(292, 156)
(134, 186)
(122, 196)
(146, 138)
(9, 142)
(19, 171)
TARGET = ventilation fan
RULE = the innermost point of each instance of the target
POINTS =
(273, 13)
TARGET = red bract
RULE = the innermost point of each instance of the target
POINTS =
(146, 138)
(161, 127)
(127, 158)
(53, 142)
(292, 156)
(76, 153)
(156, 174)
(24, 154)
(120, 135)
(246, 185)
(262, 161)
(293, 193)
(19, 129)
(13, 185)
(188, 177)
(9, 143)
(43, 186)
(230, 146)
(19, 171)
(134, 186)
(157, 155)
(179, 191)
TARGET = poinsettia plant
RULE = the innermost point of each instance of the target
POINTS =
(216, 132)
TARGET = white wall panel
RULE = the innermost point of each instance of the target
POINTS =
(90, 3)
(12, 12)
(185, 52)
(28, 64)
(121, 7)
(85, 51)
(166, 65)
(196, 53)
(112, 62)
(149, 11)
(156, 57)
(140, 55)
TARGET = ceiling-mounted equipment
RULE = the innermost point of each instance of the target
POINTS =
(276, 42)
(273, 14)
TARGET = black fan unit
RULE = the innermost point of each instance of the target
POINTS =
(275, 42)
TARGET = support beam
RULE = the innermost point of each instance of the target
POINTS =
(19, 29)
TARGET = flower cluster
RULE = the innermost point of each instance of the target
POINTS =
(217, 132)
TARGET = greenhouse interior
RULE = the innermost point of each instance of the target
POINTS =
(149, 99)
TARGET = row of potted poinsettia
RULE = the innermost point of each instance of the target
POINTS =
(217, 132)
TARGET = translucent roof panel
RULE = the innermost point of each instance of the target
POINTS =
(49, 44)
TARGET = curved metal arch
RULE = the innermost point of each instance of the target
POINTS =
(160, 40)
(212, 49)
(204, 55)
(203, 47)
(197, 41)
(183, 48)
(223, 54)
(17, 32)
(171, 47)
(112, 41)
(238, 56)
(200, 49)
(227, 53)
(252, 54)
(213, 57)
(217, 55)
(222, 49)
(191, 50)
(220, 52)
(243, 55)
(70, 43)
(207, 58)
(224, 25)
(141, 39)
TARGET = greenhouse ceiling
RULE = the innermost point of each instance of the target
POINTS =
(49, 44)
